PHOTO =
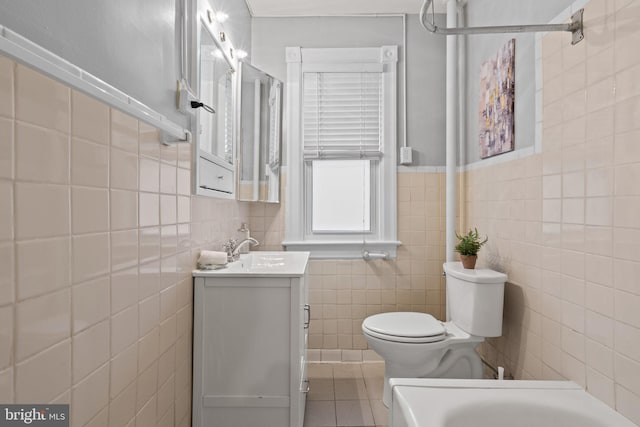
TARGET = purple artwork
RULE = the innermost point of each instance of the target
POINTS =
(497, 94)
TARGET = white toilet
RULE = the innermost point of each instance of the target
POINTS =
(417, 345)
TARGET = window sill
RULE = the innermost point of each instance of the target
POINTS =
(336, 249)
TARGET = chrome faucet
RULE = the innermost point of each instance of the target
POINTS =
(232, 247)
(249, 240)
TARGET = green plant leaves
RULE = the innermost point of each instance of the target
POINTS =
(470, 243)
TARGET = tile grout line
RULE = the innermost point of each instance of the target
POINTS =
(362, 395)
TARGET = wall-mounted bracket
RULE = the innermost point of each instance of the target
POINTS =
(577, 27)
(168, 139)
(184, 96)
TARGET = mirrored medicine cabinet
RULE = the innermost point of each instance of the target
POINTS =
(259, 135)
(237, 129)
(215, 120)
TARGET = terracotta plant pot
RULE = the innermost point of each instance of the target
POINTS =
(469, 261)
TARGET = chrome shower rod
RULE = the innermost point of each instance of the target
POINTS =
(575, 27)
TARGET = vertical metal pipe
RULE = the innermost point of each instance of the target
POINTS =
(462, 116)
(451, 130)
(404, 80)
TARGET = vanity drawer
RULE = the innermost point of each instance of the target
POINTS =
(215, 177)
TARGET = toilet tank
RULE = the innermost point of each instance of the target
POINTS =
(475, 299)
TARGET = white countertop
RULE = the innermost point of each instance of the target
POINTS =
(262, 264)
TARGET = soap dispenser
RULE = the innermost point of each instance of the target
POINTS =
(246, 234)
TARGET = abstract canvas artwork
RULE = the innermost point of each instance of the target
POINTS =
(497, 94)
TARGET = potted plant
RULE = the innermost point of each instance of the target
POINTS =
(468, 247)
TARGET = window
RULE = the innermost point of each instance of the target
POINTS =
(341, 118)
(344, 183)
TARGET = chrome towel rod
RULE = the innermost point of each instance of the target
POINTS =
(369, 256)
(575, 27)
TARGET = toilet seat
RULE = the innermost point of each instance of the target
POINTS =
(405, 327)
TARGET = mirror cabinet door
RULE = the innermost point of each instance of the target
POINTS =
(259, 136)
(215, 120)
(216, 92)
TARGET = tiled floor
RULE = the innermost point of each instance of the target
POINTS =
(345, 394)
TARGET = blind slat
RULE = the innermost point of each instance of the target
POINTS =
(342, 114)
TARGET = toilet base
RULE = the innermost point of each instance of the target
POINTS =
(463, 363)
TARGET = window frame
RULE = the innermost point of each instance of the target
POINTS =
(384, 190)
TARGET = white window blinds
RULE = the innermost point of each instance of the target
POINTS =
(342, 114)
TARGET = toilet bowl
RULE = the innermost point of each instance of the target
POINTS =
(417, 345)
(446, 354)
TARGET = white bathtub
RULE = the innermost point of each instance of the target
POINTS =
(489, 403)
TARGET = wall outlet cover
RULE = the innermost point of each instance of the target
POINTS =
(406, 156)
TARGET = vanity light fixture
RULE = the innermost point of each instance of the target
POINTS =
(221, 17)
(216, 16)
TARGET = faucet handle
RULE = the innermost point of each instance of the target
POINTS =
(230, 246)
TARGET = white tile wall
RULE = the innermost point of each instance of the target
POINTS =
(95, 297)
(585, 254)
(344, 292)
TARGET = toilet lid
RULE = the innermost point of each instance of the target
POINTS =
(405, 327)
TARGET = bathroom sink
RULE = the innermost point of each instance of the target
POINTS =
(259, 264)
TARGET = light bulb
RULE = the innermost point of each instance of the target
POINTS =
(221, 17)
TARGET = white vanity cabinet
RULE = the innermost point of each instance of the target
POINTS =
(249, 345)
